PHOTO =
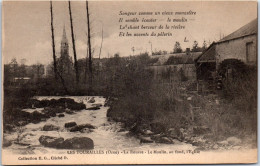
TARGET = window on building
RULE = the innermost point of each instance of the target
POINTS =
(250, 53)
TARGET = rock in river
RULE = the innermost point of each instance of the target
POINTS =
(71, 143)
(159, 138)
(78, 143)
(70, 124)
(86, 130)
(69, 111)
(146, 140)
(93, 108)
(36, 117)
(97, 105)
(147, 132)
(80, 127)
(50, 127)
(52, 142)
(61, 115)
(92, 100)
(165, 140)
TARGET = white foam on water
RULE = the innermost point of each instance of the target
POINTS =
(105, 136)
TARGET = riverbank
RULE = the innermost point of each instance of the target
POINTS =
(206, 121)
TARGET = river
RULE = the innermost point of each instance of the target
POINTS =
(105, 136)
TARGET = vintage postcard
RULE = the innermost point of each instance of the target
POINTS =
(129, 82)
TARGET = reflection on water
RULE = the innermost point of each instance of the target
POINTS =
(105, 136)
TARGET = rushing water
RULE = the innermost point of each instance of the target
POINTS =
(105, 136)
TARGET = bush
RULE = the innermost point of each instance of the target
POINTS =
(160, 105)
(240, 87)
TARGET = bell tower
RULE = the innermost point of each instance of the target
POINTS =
(64, 45)
(65, 61)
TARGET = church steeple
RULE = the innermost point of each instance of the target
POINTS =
(64, 37)
(64, 44)
(65, 62)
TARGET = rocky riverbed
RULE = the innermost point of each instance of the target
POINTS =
(86, 127)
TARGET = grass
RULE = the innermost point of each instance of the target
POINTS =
(166, 105)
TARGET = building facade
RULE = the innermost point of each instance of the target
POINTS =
(240, 45)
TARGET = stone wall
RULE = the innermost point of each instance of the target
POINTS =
(189, 70)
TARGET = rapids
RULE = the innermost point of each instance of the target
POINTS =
(105, 136)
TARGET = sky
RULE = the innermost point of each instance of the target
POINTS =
(27, 33)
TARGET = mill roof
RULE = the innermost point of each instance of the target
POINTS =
(248, 29)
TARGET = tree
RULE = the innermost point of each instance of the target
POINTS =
(10, 71)
(86, 66)
(73, 44)
(99, 63)
(56, 72)
(89, 49)
(177, 47)
(101, 43)
(53, 43)
(13, 65)
(38, 68)
(160, 52)
(22, 68)
(204, 47)
(195, 47)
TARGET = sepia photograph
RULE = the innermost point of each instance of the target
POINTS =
(129, 82)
